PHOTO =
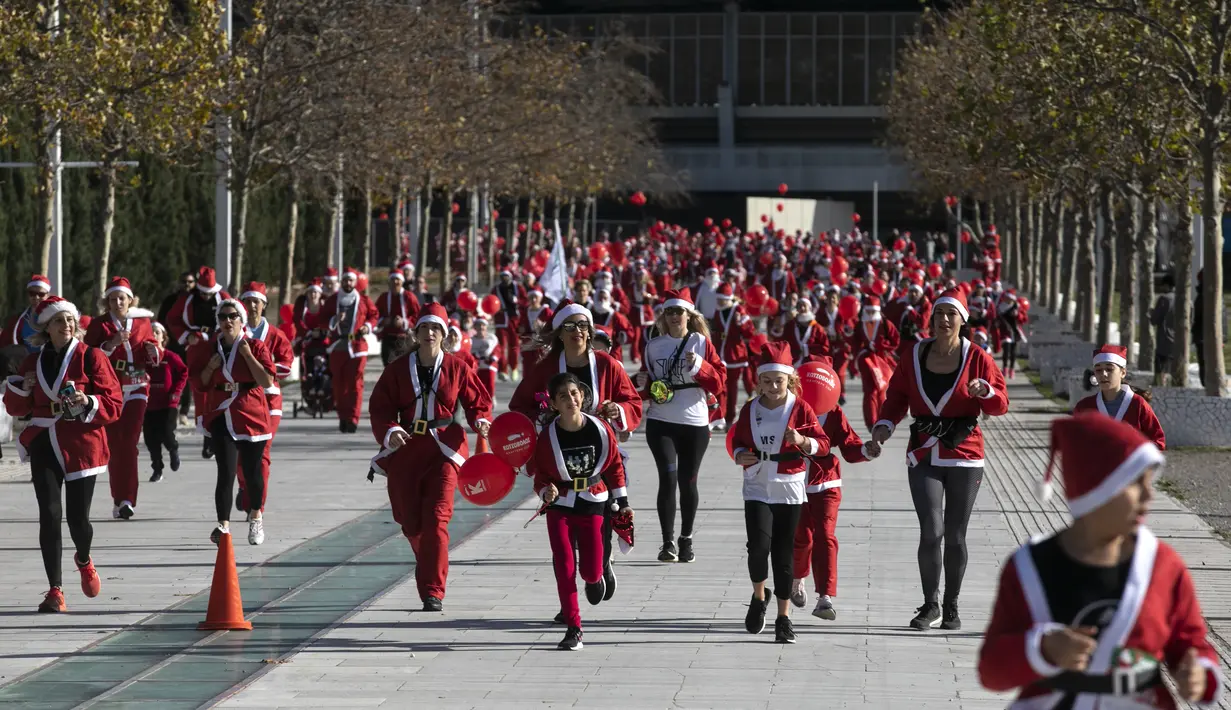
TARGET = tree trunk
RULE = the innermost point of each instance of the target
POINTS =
(1037, 242)
(572, 215)
(1066, 292)
(1084, 322)
(1047, 252)
(493, 255)
(1211, 280)
(556, 222)
(1064, 217)
(335, 212)
(425, 233)
(585, 220)
(446, 245)
(47, 196)
(1107, 248)
(977, 222)
(1182, 256)
(395, 226)
(1147, 239)
(241, 232)
(1026, 262)
(1128, 226)
(472, 241)
(292, 234)
(515, 234)
(368, 231)
(106, 224)
(1013, 242)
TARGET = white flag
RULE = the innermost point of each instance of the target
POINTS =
(555, 276)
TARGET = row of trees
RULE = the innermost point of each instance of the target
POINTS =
(322, 100)
(1057, 113)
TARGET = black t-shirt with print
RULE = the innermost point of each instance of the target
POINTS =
(581, 450)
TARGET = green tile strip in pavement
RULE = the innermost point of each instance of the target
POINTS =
(166, 663)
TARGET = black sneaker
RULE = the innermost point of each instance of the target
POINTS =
(432, 604)
(595, 592)
(609, 579)
(949, 620)
(156, 476)
(755, 621)
(126, 511)
(572, 640)
(928, 617)
(784, 631)
(175, 460)
(686, 553)
(239, 501)
(668, 553)
(559, 620)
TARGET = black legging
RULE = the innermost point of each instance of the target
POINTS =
(771, 543)
(227, 452)
(48, 476)
(678, 450)
(1008, 356)
(944, 497)
(159, 428)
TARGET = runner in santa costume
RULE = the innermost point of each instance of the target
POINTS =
(351, 315)
(396, 309)
(579, 475)
(488, 355)
(255, 300)
(507, 320)
(65, 442)
(1011, 321)
(680, 372)
(330, 281)
(125, 336)
(841, 334)
(805, 337)
(454, 345)
(816, 541)
(1118, 400)
(1085, 619)
(236, 370)
(875, 342)
(21, 326)
(775, 434)
(411, 411)
(167, 381)
(912, 319)
(607, 317)
(191, 321)
(308, 304)
(643, 296)
(732, 330)
(946, 385)
(779, 280)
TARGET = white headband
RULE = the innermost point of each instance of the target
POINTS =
(950, 300)
(1112, 358)
(119, 289)
(253, 294)
(571, 309)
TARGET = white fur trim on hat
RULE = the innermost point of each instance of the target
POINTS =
(949, 300)
(679, 303)
(396, 275)
(1112, 358)
(118, 289)
(253, 294)
(239, 307)
(315, 287)
(871, 309)
(568, 311)
(430, 319)
(51, 310)
(775, 367)
(46, 286)
(1129, 470)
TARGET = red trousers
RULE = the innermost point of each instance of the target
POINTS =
(123, 436)
(563, 528)
(734, 377)
(488, 377)
(422, 502)
(873, 391)
(347, 373)
(275, 420)
(510, 342)
(816, 545)
(636, 343)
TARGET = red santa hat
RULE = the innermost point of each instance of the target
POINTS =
(351, 272)
(567, 309)
(254, 289)
(433, 314)
(776, 357)
(118, 284)
(955, 297)
(331, 274)
(397, 275)
(681, 298)
(207, 281)
(1099, 458)
(872, 304)
(49, 307)
(1115, 354)
(976, 283)
(315, 285)
(725, 292)
(38, 281)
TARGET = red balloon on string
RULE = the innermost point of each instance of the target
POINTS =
(485, 480)
(838, 278)
(848, 307)
(756, 295)
(491, 304)
(598, 252)
(966, 288)
(965, 236)
(467, 300)
(764, 219)
(789, 242)
(839, 264)
(934, 271)
(782, 188)
(899, 245)
(512, 437)
(726, 224)
(522, 227)
(950, 256)
(951, 201)
(879, 287)
(537, 226)
(771, 307)
(1023, 304)
(731, 442)
(819, 386)
(661, 225)
(456, 208)
(991, 229)
(766, 258)
(855, 218)
(781, 206)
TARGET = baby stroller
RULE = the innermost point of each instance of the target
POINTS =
(315, 382)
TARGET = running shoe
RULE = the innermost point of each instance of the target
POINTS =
(241, 504)
(686, 553)
(926, 617)
(949, 620)
(126, 510)
(90, 584)
(609, 579)
(572, 640)
(256, 531)
(595, 591)
(559, 620)
(175, 460)
(824, 609)
(433, 604)
(156, 476)
(755, 621)
(799, 594)
(53, 602)
(784, 630)
(668, 553)
(719, 425)
(115, 512)
(216, 534)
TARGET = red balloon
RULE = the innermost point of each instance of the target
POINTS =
(764, 219)
(879, 287)
(731, 442)
(934, 271)
(966, 236)
(495, 215)
(661, 225)
(950, 256)
(467, 300)
(766, 258)
(757, 295)
(522, 227)
(638, 199)
(598, 252)
(490, 304)
(839, 264)
(726, 224)
(951, 201)
(782, 189)
(513, 438)
(899, 245)
(708, 222)
(771, 307)
(1023, 304)
(361, 282)
(753, 311)
(820, 386)
(848, 307)
(485, 480)
(537, 226)
(855, 218)
(839, 279)
(781, 206)
(456, 208)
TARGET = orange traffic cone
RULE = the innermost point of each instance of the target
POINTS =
(226, 608)
(482, 447)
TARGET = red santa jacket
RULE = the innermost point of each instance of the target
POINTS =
(283, 356)
(167, 381)
(878, 337)
(912, 323)
(1158, 614)
(806, 341)
(1134, 410)
(80, 445)
(399, 400)
(825, 472)
(130, 356)
(612, 384)
(550, 469)
(232, 391)
(181, 320)
(11, 335)
(354, 341)
(781, 286)
(731, 330)
(905, 394)
(487, 352)
(390, 307)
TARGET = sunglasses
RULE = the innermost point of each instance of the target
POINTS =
(230, 315)
(36, 294)
(674, 311)
(574, 326)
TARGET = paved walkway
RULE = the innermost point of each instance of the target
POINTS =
(672, 637)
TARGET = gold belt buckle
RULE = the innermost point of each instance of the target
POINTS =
(56, 409)
(121, 365)
(230, 387)
(579, 485)
(420, 427)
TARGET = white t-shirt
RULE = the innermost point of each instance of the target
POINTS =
(688, 405)
(762, 482)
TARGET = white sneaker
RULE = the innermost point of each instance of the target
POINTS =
(824, 609)
(115, 512)
(256, 531)
(799, 595)
(720, 425)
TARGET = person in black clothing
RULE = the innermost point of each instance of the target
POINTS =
(1198, 330)
(1162, 317)
(425, 297)
(188, 281)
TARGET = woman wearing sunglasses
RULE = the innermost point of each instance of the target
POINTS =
(682, 376)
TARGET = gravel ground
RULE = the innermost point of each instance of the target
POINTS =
(1198, 478)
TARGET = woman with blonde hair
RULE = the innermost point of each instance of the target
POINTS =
(682, 375)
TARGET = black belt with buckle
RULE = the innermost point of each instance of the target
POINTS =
(585, 484)
(235, 386)
(355, 336)
(422, 426)
(784, 458)
(1118, 682)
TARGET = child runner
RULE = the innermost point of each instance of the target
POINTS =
(167, 381)
(1118, 400)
